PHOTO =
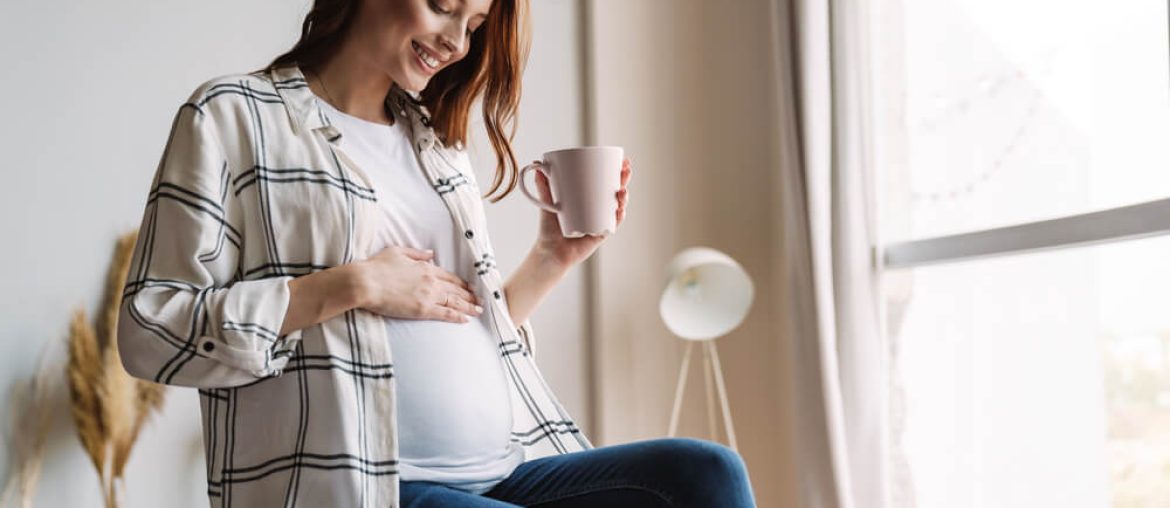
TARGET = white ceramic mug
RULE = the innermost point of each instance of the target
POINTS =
(584, 183)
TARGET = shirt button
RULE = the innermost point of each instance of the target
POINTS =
(496, 294)
(208, 346)
(469, 234)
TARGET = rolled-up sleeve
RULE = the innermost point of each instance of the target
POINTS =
(187, 317)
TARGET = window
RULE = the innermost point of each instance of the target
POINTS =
(1023, 158)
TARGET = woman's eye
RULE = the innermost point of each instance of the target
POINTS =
(438, 8)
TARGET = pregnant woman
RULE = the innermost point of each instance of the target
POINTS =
(309, 218)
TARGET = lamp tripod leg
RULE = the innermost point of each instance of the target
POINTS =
(678, 391)
(730, 427)
(712, 427)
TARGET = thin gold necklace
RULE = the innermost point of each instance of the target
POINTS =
(332, 102)
(328, 96)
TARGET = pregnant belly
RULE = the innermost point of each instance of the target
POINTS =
(453, 403)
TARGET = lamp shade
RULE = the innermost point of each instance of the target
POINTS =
(707, 294)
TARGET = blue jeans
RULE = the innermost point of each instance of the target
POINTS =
(655, 473)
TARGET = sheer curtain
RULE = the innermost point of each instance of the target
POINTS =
(830, 285)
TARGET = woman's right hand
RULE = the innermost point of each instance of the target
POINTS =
(401, 282)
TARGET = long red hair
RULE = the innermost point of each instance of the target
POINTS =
(492, 68)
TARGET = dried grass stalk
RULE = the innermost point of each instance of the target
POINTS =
(148, 397)
(84, 374)
(31, 417)
(109, 407)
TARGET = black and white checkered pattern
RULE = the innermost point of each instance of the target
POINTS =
(252, 191)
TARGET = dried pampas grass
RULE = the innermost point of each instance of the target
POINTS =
(85, 375)
(31, 411)
(109, 407)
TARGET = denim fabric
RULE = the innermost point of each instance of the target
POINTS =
(655, 473)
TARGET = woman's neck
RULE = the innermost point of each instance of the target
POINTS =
(352, 84)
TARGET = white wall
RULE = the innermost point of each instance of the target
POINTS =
(88, 90)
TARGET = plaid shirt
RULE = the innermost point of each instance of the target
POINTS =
(252, 191)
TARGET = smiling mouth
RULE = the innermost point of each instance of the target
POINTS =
(427, 58)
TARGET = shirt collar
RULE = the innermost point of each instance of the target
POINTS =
(305, 112)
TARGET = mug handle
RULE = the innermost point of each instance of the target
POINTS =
(536, 166)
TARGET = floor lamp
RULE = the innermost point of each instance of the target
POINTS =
(707, 295)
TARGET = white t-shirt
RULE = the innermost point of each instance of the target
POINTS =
(454, 414)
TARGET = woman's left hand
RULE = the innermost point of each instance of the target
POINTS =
(568, 252)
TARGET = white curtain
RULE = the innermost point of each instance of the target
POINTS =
(831, 285)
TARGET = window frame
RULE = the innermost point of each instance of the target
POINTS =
(1132, 222)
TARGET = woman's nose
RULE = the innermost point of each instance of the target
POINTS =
(454, 39)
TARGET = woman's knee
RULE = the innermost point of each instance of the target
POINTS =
(701, 472)
(690, 459)
(708, 459)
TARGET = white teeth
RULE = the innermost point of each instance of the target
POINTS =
(426, 57)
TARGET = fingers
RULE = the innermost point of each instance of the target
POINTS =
(440, 313)
(455, 305)
(542, 187)
(450, 278)
(623, 198)
(464, 305)
(418, 254)
(456, 292)
(416, 288)
(623, 194)
(438, 273)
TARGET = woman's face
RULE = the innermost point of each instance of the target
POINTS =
(412, 40)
